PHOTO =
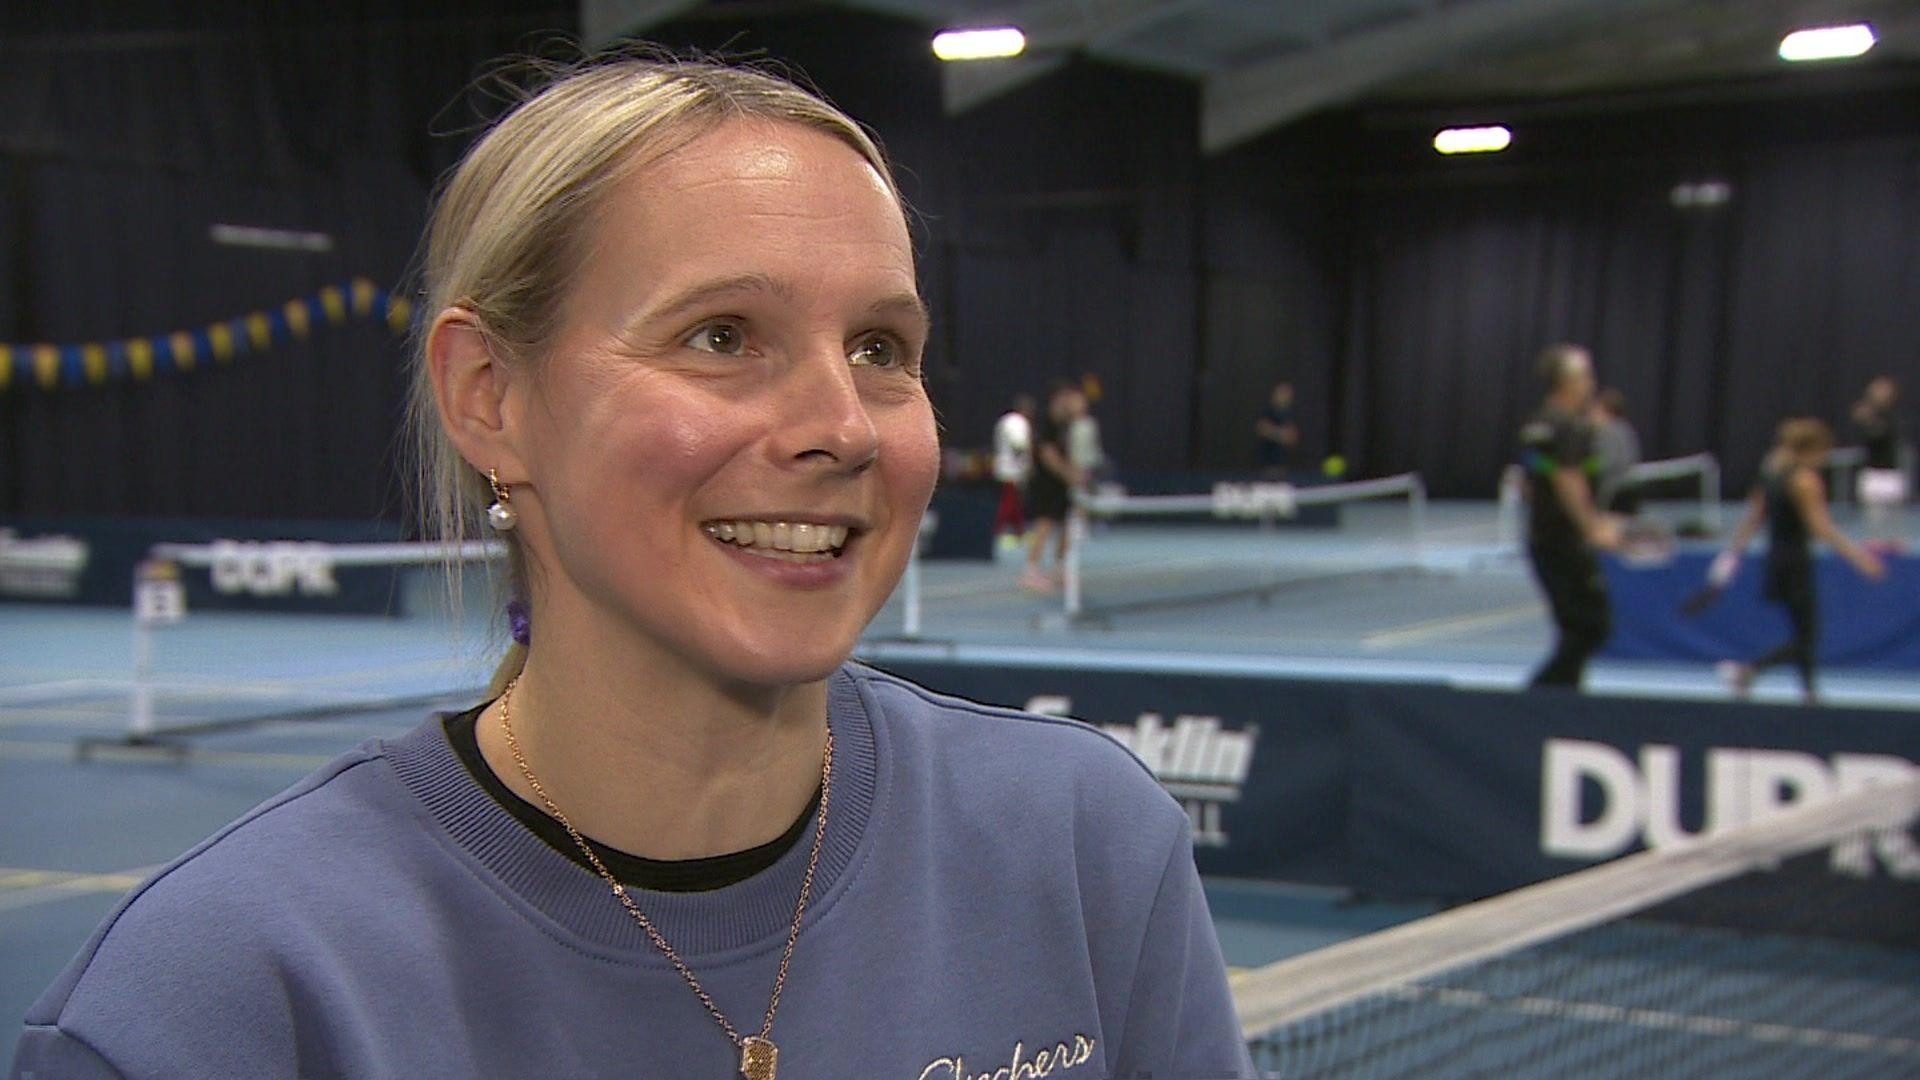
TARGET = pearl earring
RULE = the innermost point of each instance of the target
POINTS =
(500, 515)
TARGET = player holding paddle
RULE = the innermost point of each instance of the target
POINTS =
(1792, 500)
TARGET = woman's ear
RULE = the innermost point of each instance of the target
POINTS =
(470, 387)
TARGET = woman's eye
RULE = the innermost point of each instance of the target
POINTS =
(878, 352)
(725, 338)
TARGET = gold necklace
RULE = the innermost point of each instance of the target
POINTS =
(758, 1055)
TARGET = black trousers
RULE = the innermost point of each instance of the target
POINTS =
(1582, 613)
(1791, 586)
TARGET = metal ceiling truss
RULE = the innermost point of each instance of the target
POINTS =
(1297, 56)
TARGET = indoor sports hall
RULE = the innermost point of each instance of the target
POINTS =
(1465, 450)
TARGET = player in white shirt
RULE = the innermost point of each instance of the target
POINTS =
(1013, 466)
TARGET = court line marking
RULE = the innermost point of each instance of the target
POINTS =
(1662, 1019)
(58, 714)
(191, 681)
(24, 750)
(1427, 630)
(29, 692)
(21, 888)
(17, 703)
(1008, 585)
(1610, 679)
(12, 878)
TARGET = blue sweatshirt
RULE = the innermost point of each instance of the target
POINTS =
(999, 897)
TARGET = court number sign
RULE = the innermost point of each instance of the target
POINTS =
(159, 598)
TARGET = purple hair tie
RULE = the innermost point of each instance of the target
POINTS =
(519, 621)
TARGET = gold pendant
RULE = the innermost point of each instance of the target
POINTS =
(758, 1057)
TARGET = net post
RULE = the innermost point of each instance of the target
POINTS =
(1076, 526)
(1710, 493)
(1507, 523)
(1839, 460)
(140, 724)
(1417, 513)
(1270, 551)
(159, 598)
(910, 585)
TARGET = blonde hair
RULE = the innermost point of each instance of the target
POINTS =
(510, 223)
(1555, 362)
(1803, 436)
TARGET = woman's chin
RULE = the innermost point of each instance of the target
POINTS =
(783, 664)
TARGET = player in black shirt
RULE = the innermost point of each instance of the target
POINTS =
(1565, 528)
(1883, 484)
(1791, 498)
(1278, 433)
(1050, 491)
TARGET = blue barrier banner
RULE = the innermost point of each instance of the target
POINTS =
(1462, 795)
(1259, 764)
(1429, 792)
(263, 565)
(1862, 623)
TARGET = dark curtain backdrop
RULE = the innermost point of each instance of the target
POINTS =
(1068, 227)
(1055, 225)
(1714, 322)
(1274, 220)
(124, 135)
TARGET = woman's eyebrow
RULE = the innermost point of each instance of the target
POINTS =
(902, 303)
(698, 295)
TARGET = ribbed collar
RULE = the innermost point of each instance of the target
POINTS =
(749, 916)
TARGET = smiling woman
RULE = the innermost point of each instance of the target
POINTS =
(677, 348)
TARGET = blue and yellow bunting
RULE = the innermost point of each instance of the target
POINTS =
(140, 359)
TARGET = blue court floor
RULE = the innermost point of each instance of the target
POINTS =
(1361, 602)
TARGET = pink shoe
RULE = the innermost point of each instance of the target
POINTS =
(1034, 581)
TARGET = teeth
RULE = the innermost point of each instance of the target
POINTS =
(799, 538)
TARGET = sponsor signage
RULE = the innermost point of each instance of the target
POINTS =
(1598, 801)
(1424, 791)
(1259, 765)
(41, 567)
(1198, 761)
(1254, 500)
(272, 569)
(1462, 794)
(256, 565)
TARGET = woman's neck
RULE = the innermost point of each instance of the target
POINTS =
(650, 757)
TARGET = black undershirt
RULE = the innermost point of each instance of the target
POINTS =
(660, 875)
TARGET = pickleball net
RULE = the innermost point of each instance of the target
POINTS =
(196, 671)
(1744, 954)
(1691, 484)
(1135, 553)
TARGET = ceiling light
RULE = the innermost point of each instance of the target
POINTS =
(1827, 42)
(1701, 193)
(986, 44)
(275, 239)
(1473, 140)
